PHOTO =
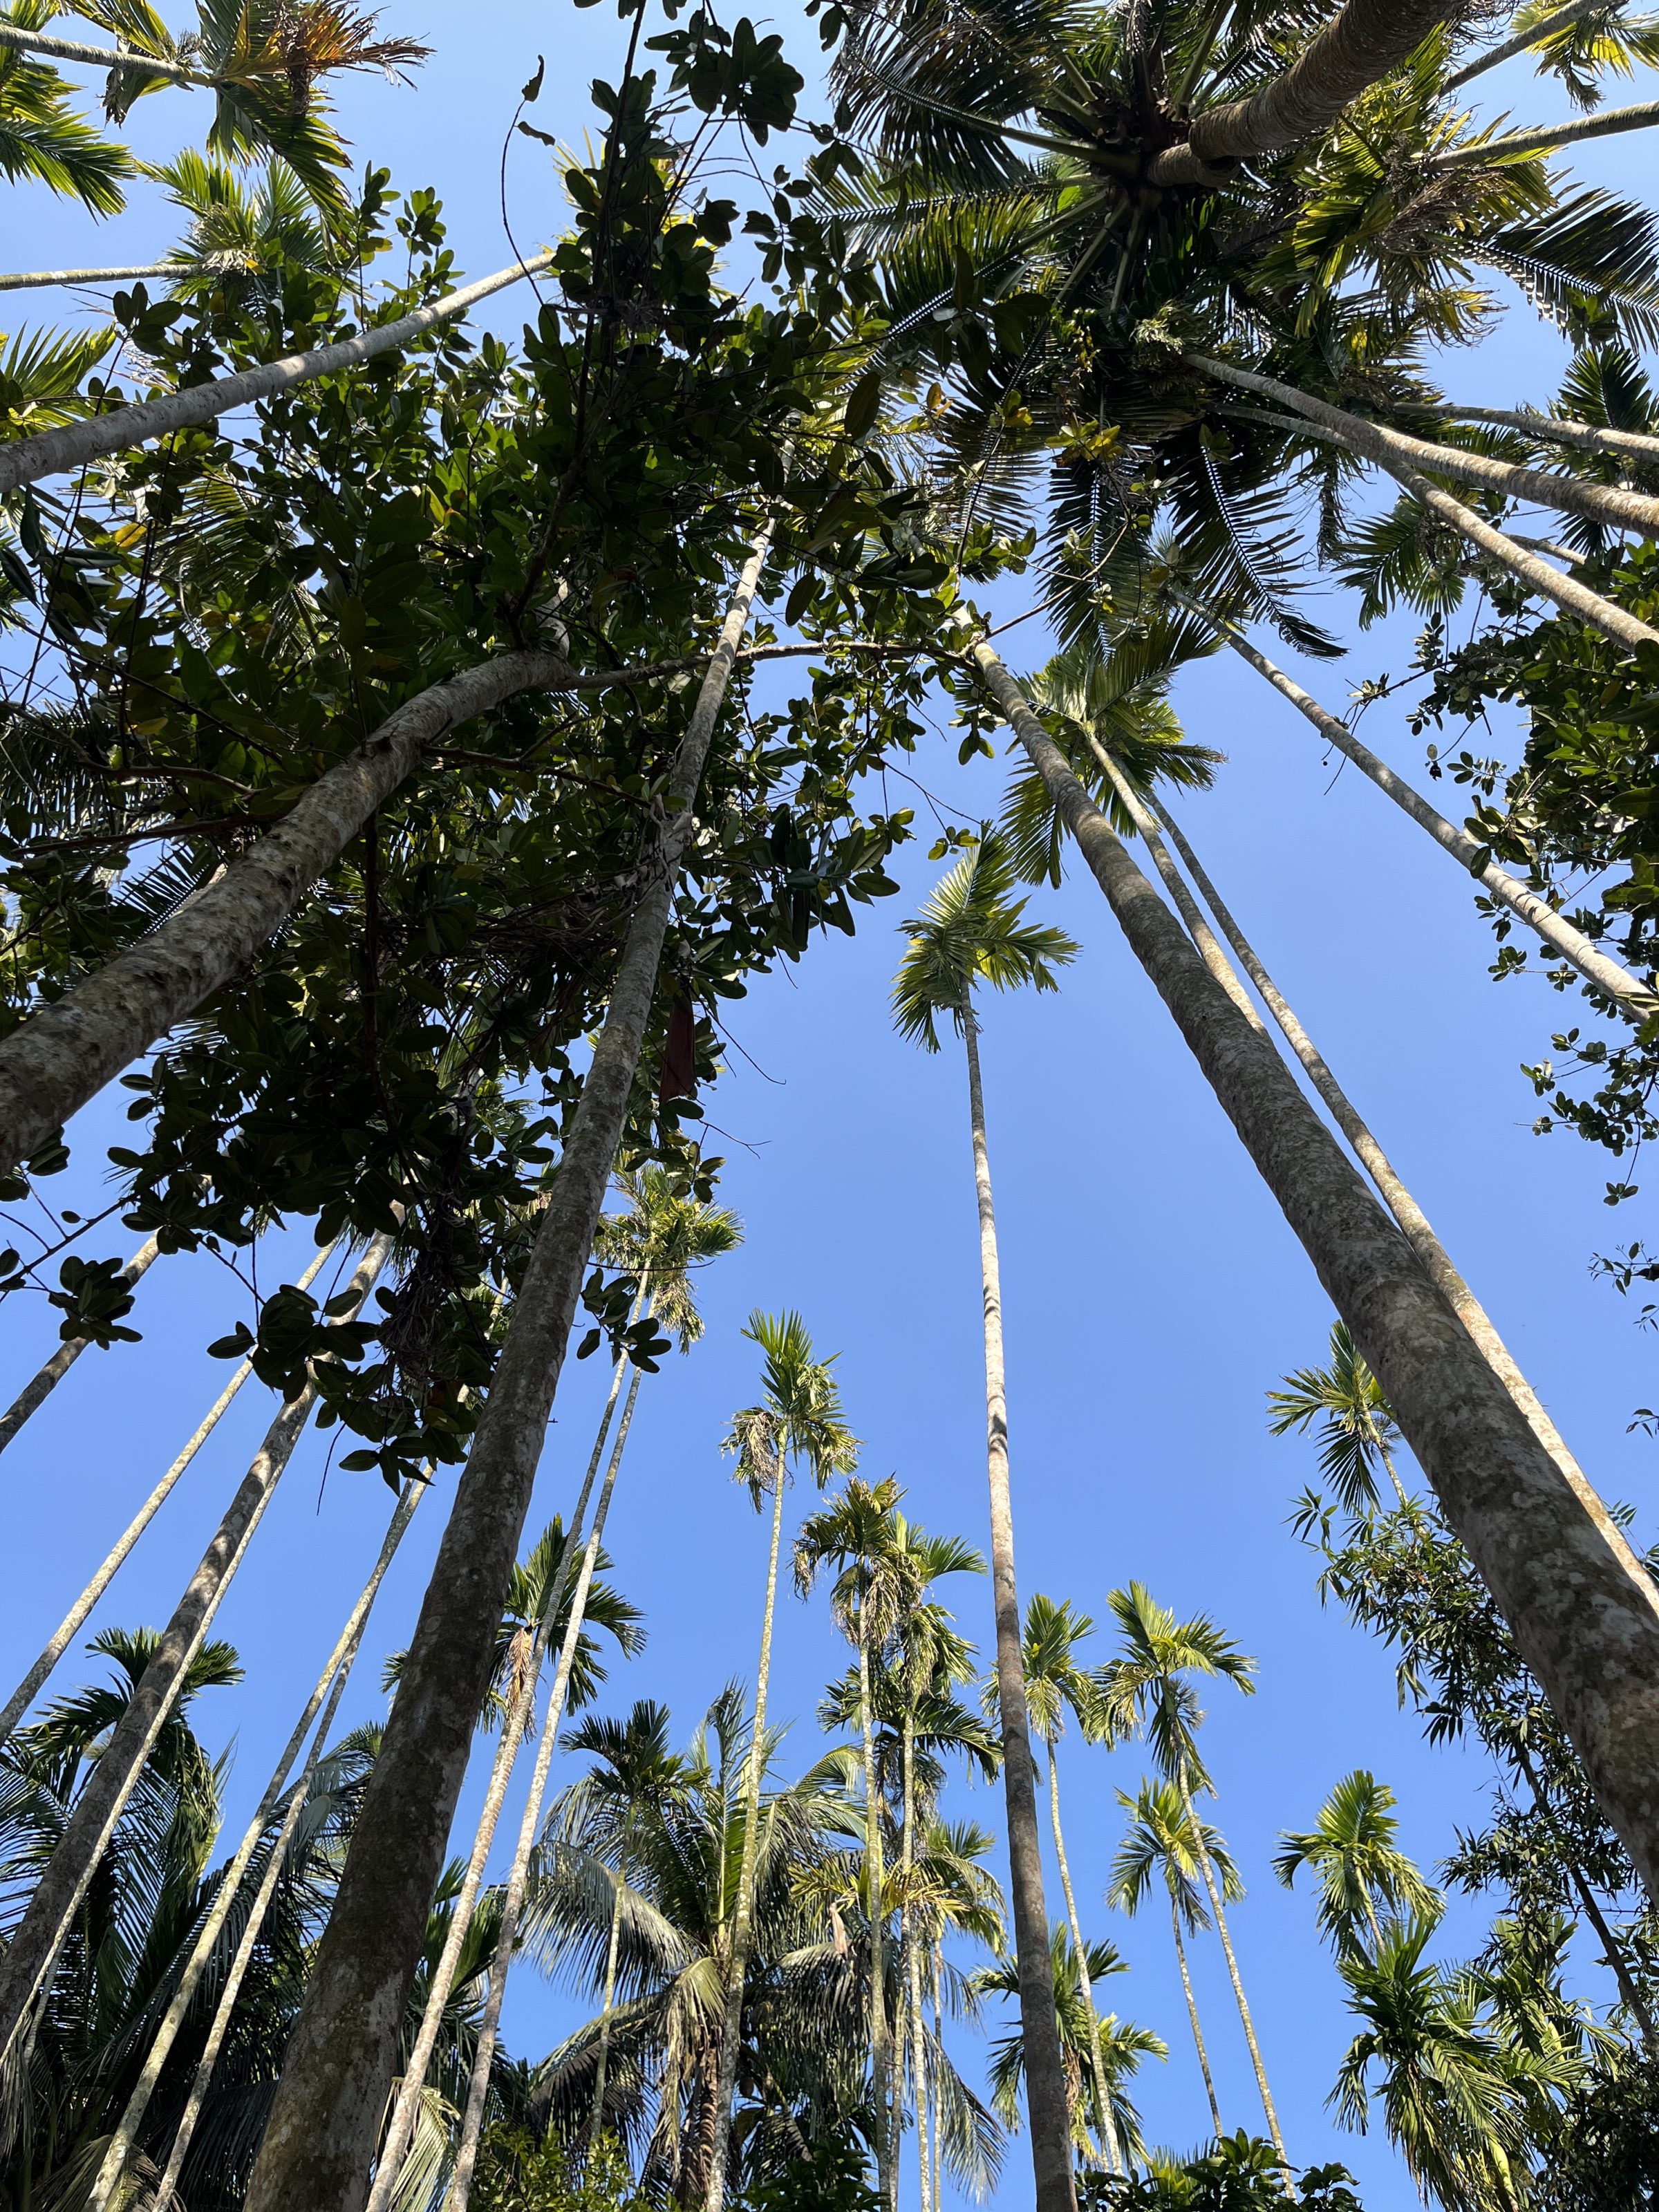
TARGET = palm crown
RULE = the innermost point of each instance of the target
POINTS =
(971, 931)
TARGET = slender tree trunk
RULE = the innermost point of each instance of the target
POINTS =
(29, 1962)
(1363, 43)
(320, 2141)
(875, 1875)
(26, 461)
(910, 1970)
(69, 1627)
(406, 2107)
(1588, 1629)
(1045, 2074)
(1539, 916)
(596, 2125)
(1405, 1211)
(466, 2156)
(1192, 2014)
(1388, 450)
(1548, 429)
(35, 1393)
(923, 2081)
(1547, 139)
(1233, 1974)
(937, 1964)
(1562, 19)
(33, 280)
(737, 1964)
(1108, 2136)
(336, 1673)
(1394, 1475)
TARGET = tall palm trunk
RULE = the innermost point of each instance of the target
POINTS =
(1045, 2073)
(1192, 2014)
(1388, 449)
(319, 2143)
(938, 1966)
(743, 1911)
(406, 2107)
(466, 2156)
(1404, 1207)
(1542, 26)
(39, 1937)
(875, 1877)
(1364, 42)
(330, 1686)
(1558, 934)
(1238, 1980)
(69, 1627)
(1108, 2135)
(34, 280)
(50, 1373)
(910, 1966)
(1588, 1629)
(1547, 429)
(596, 2125)
(1547, 139)
(26, 461)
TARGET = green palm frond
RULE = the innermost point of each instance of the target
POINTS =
(971, 931)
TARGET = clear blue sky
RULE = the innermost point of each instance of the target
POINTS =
(1153, 1293)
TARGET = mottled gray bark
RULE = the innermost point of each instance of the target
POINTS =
(1549, 138)
(34, 280)
(26, 461)
(320, 2142)
(28, 1961)
(24, 39)
(1548, 429)
(1047, 2105)
(1365, 41)
(1613, 504)
(26, 1691)
(1192, 2014)
(1085, 1988)
(330, 1686)
(40, 1387)
(1555, 930)
(1588, 1628)
(64, 1054)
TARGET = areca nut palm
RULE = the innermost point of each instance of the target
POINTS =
(799, 1419)
(1166, 1841)
(1355, 1429)
(1149, 1687)
(326, 2123)
(1055, 1685)
(971, 931)
(878, 1583)
(1550, 1554)
(1352, 1855)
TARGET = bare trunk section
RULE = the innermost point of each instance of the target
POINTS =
(65, 1052)
(910, 1968)
(1443, 1273)
(1233, 1974)
(1563, 19)
(35, 1393)
(1588, 1629)
(1606, 503)
(69, 1627)
(1551, 430)
(501, 1964)
(1045, 2100)
(1558, 934)
(743, 1908)
(400, 2129)
(26, 461)
(1366, 41)
(330, 1686)
(1112, 2147)
(596, 2125)
(34, 280)
(1548, 138)
(875, 1877)
(319, 2144)
(1192, 2014)
(33, 1951)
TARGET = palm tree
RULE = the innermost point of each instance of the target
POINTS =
(1148, 1686)
(1533, 1536)
(878, 1584)
(1352, 1854)
(1104, 2052)
(800, 1419)
(1055, 1685)
(324, 2129)
(1356, 1427)
(1165, 1838)
(635, 1776)
(971, 931)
